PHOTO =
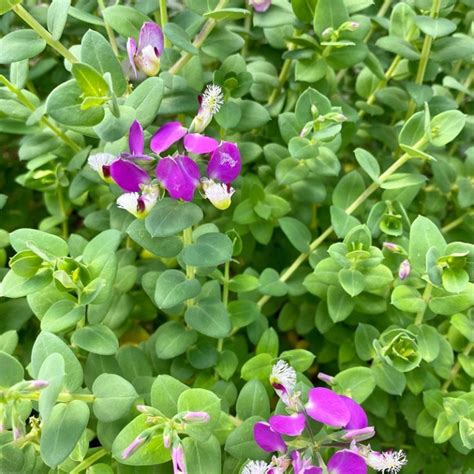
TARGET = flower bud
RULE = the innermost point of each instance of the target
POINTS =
(391, 247)
(38, 384)
(327, 32)
(326, 378)
(404, 270)
(196, 416)
(133, 446)
(360, 434)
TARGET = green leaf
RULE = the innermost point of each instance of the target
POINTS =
(97, 339)
(198, 399)
(62, 315)
(435, 27)
(170, 216)
(91, 83)
(126, 21)
(62, 431)
(446, 126)
(7, 5)
(368, 163)
(389, 379)
(427, 339)
(356, 382)
(97, 52)
(352, 281)
(258, 367)
(254, 115)
(444, 430)
(165, 392)
(299, 359)
(268, 343)
(152, 452)
(453, 303)
(398, 46)
(241, 444)
(50, 244)
(407, 298)
(172, 340)
(64, 105)
(227, 14)
(402, 180)
(57, 17)
(179, 38)
(12, 371)
(202, 457)
(455, 280)
(47, 344)
(52, 370)
(145, 99)
(114, 397)
(173, 288)
(253, 400)
(209, 317)
(296, 232)
(340, 304)
(270, 283)
(210, 250)
(329, 14)
(19, 45)
(364, 336)
(424, 235)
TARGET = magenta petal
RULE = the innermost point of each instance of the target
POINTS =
(131, 50)
(225, 163)
(292, 425)
(179, 175)
(136, 139)
(151, 35)
(128, 175)
(199, 144)
(347, 462)
(261, 5)
(166, 135)
(327, 407)
(267, 439)
(358, 416)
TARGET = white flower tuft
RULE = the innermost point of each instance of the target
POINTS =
(218, 193)
(387, 462)
(283, 374)
(255, 467)
(99, 160)
(212, 99)
(136, 204)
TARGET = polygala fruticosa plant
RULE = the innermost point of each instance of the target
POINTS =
(236, 236)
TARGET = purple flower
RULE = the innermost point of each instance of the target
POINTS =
(129, 176)
(146, 55)
(345, 462)
(268, 439)
(171, 132)
(101, 162)
(327, 407)
(225, 163)
(177, 456)
(404, 270)
(139, 204)
(133, 446)
(292, 425)
(260, 5)
(358, 417)
(303, 465)
(179, 175)
(136, 141)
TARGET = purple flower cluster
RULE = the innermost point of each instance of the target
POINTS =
(178, 174)
(302, 452)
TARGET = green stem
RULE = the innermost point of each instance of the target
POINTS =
(362, 197)
(44, 33)
(63, 397)
(426, 297)
(383, 9)
(248, 29)
(62, 206)
(467, 84)
(457, 367)
(44, 121)
(108, 29)
(425, 56)
(198, 41)
(284, 73)
(164, 19)
(452, 225)
(100, 453)
(225, 297)
(190, 271)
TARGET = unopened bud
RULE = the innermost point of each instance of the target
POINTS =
(360, 434)
(38, 384)
(327, 32)
(196, 416)
(404, 270)
(133, 446)
(391, 246)
(326, 378)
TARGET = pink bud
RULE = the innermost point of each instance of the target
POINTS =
(325, 378)
(133, 446)
(39, 384)
(166, 440)
(360, 434)
(177, 456)
(391, 246)
(142, 408)
(404, 270)
(196, 416)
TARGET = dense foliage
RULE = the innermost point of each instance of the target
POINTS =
(188, 208)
